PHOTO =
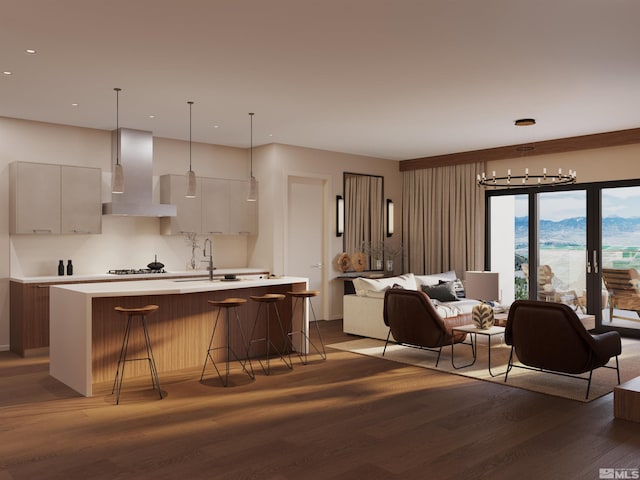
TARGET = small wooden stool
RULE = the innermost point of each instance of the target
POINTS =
(269, 300)
(133, 313)
(305, 296)
(227, 304)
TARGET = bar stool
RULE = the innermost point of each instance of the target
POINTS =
(227, 304)
(270, 300)
(136, 313)
(305, 296)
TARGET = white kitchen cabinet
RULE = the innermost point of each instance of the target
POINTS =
(44, 200)
(243, 215)
(81, 202)
(189, 210)
(34, 192)
(215, 206)
(220, 207)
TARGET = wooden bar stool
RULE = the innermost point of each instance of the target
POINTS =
(227, 304)
(269, 300)
(305, 296)
(132, 314)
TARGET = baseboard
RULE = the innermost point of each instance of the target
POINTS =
(4, 348)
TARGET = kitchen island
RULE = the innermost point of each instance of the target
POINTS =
(29, 316)
(86, 333)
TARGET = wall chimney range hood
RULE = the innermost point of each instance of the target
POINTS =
(136, 157)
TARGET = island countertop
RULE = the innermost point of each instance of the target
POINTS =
(86, 333)
(169, 286)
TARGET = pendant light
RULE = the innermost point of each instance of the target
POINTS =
(253, 187)
(191, 175)
(118, 175)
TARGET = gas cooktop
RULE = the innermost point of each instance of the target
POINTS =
(135, 271)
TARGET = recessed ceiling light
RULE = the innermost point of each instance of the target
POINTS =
(7, 72)
(216, 125)
(75, 104)
(152, 116)
(525, 122)
(30, 51)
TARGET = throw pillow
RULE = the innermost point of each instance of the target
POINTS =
(443, 292)
(407, 280)
(458, 287)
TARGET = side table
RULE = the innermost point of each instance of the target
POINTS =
(473, 331)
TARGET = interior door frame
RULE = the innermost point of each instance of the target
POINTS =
(325, 222)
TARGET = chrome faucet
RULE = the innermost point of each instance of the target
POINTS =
(204, 252)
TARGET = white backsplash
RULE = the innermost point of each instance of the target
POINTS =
(125, 242)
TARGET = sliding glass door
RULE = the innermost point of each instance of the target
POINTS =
(620, 256)
(573, 245)
(562, 247)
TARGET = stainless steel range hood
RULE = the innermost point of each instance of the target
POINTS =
(136, 158)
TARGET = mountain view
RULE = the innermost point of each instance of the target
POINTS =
(569, 232)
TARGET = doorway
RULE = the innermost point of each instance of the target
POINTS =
(305, 245)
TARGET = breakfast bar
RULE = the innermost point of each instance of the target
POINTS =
(86, 333)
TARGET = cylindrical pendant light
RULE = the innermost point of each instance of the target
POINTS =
(117, 185)
(191, 175)
(253, 185)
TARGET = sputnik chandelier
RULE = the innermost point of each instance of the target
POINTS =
(526, 180)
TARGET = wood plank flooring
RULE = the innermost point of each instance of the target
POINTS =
(349, 417)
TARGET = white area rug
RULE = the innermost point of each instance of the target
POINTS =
(602, 383)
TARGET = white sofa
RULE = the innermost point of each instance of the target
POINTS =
(363, 312)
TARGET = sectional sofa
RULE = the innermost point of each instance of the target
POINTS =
(363, 311)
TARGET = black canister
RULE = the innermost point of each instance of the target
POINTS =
(60, 267)
(69, 267)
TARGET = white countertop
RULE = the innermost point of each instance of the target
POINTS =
(111, 276)
(168, 286)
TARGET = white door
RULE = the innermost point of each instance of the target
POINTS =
(305, 234)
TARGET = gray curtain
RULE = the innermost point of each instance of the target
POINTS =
(443, 219)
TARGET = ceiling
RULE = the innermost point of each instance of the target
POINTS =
(395, 79)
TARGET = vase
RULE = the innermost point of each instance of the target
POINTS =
(482, 316)
(389, 266)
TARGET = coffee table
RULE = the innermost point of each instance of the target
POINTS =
(473, 331)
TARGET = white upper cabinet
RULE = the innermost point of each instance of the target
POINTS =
(215, 206)
(54, 199)
(189, 210)
(220, 207)
(34, 192)
(81, 200)
(243, 215)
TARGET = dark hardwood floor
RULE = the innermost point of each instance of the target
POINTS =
(349, 417)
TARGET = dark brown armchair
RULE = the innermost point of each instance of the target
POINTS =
(414, 322)
(549, 337)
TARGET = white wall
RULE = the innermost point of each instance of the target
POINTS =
(273, 164)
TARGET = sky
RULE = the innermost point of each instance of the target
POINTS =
(555, 206)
